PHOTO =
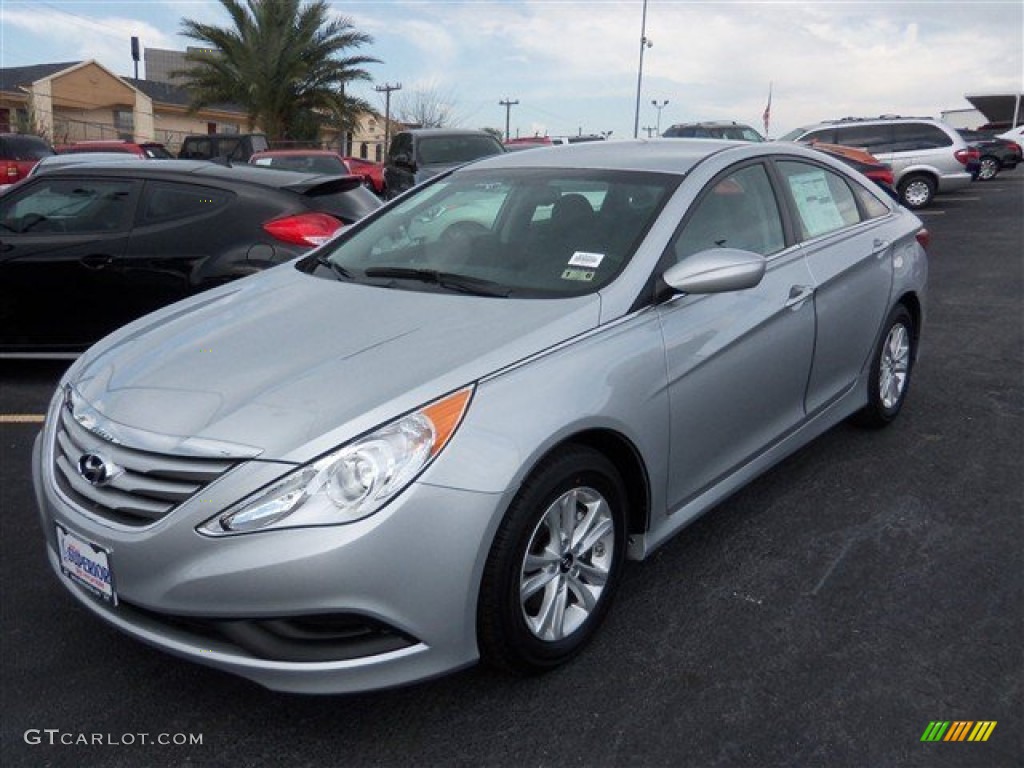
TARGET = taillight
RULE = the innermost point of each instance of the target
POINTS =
(1014, 147)
(924, 237)
(310, 229)
(881, 174)
(967, 155)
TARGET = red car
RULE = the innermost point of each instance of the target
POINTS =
(372, 173)
(150, 150)
(19, 152)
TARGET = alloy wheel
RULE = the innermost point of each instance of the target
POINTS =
(895, 363)
(567, 562)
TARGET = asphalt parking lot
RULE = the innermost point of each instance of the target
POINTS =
(825, 615)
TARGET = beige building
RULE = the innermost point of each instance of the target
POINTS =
(78, 101)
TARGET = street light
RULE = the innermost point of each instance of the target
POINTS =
(644, 43)
(659, 107)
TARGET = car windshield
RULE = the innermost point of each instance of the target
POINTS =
(526, 233)
(451, 150)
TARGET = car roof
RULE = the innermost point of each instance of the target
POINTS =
(195, 170)
(664, 155)
(446, 132)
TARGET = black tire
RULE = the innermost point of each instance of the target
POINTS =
(891, 369)
(510, 627)
(989, 168)
(917, 191)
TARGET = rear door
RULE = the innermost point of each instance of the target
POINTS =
(847, 236)
(60, 239)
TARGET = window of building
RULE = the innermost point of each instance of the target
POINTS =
(124, 124)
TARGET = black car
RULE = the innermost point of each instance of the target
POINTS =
(422, 153)
(996, 154)
(85, 249)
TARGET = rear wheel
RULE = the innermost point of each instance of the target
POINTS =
(890, 371)
(554, 564)
(989, 168)
(917, 191)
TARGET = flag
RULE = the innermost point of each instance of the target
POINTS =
(767, 116)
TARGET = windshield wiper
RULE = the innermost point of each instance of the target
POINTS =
(450, 280)
(339, 270)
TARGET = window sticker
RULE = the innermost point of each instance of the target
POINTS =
(584, 259)
(818, 208)
(580, 275)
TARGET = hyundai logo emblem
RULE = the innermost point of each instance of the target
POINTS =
(95, 469)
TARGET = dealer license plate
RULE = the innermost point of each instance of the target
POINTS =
(87, 564)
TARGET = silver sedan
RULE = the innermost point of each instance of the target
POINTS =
(440, 436)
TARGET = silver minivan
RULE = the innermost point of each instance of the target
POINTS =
(927, 156)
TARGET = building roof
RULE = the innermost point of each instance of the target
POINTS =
(12, 77)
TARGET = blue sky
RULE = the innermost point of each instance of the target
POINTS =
(572, 65)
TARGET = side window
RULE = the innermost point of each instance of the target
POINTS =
(737, 211)
(824, 201)
(198, 148)
(70, 206)
(824, 135)
(869, 203)
(911, 136)
(876, 138)
(230, 148)
(163, 201)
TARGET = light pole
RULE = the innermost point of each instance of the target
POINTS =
(507, 103)
(386, 89)
(644, 43)
(659, 107)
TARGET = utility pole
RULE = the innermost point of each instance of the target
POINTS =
(659, 106)
(507, 103)
(386, 89)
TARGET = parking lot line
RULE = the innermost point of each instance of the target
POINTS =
(21, 418)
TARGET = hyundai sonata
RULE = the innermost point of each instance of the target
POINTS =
(440, 436)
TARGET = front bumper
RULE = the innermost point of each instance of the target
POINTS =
(413, 568)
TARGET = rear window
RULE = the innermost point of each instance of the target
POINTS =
(348, 206)
(24, 148)
(304, 163)
(156, 152)
(449, 150)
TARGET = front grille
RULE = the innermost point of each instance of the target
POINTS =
(136, 487)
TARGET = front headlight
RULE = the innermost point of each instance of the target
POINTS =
(352, 482)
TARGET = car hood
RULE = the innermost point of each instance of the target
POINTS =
(288, 365)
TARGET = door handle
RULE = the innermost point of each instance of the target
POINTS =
(798, 294)
(880, 246)
(96, 261)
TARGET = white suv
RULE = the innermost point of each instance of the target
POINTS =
(926, 155)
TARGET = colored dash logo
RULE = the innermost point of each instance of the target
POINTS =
(958, 730)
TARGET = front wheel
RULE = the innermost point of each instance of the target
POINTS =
(890, 371)
(917, 191)
(554, 564)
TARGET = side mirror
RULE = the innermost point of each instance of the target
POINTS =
(717, 270)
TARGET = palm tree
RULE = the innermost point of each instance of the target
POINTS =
(283, 61)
